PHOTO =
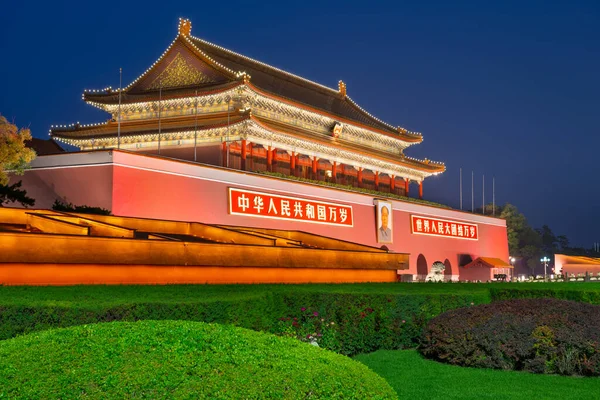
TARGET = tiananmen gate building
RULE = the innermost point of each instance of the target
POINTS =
(210, 137)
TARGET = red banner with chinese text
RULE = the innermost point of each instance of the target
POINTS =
(265, 205)
(440, 227)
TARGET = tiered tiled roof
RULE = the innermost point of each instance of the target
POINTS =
(228, 85)
(226, 67)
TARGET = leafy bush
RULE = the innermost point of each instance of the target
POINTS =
(365, 317)
(537, 335)
(176, 359)
(69, 207)
(581, 292)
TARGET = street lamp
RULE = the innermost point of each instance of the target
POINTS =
(545, 260)
(512, 264)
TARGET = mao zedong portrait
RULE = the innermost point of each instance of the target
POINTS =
(385, 233)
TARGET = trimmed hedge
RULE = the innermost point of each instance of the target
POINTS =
(581, 292)
(537, 335)
(177, 359)
(359, 318)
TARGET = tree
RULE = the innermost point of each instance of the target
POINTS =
(563, 242)
(550, 244)
(515, 224)
(13, 194)
(14, 156)
(524, 243)
(530, 248)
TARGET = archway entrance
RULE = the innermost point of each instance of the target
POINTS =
(422, 269)
(448, 265)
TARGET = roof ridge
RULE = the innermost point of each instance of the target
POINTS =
(362, 110)
(179, 36)
(423, 163)
(319, 85)
(263, 64)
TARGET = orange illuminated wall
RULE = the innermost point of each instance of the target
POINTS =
(78, 274)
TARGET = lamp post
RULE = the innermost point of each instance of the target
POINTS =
(545, 260)
(512, 264)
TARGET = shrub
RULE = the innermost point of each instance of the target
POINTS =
(176, 359)
(581, 292)
(68, 207)
(362, 322)
(536, 335)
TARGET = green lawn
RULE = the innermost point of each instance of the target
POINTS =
(414, 377)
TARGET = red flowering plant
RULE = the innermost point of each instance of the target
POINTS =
(311, 327)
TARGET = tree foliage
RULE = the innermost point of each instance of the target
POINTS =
(515, 223)
(13, 194)
(14, 156)
(69, 207)
(526, 243)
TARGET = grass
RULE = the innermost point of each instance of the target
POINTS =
(177, 359)
(414, 377)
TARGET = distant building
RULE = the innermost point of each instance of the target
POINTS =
(209, 135)
(44, 147)
(576, 264)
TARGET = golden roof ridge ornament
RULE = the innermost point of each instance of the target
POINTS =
(185, 27)
(342, 88)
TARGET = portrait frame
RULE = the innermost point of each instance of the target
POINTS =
(384, 221)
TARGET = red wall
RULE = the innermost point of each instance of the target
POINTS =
(150, 187)
(90, 186)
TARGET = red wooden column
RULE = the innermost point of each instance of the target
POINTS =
(376, 180)
(297, 164)
(359, 177)
(406, 186)
(293, 164)
(392, 183)
(269, 159)
(243, 154)
(251, 155)
(224, 154)
(334, 171)
(421, 190)
(315, 168)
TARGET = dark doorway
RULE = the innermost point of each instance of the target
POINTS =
(448, 269)
(422, 269)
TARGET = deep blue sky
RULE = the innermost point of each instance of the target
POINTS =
(509, 90)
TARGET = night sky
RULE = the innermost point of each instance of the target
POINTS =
(507, 90)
